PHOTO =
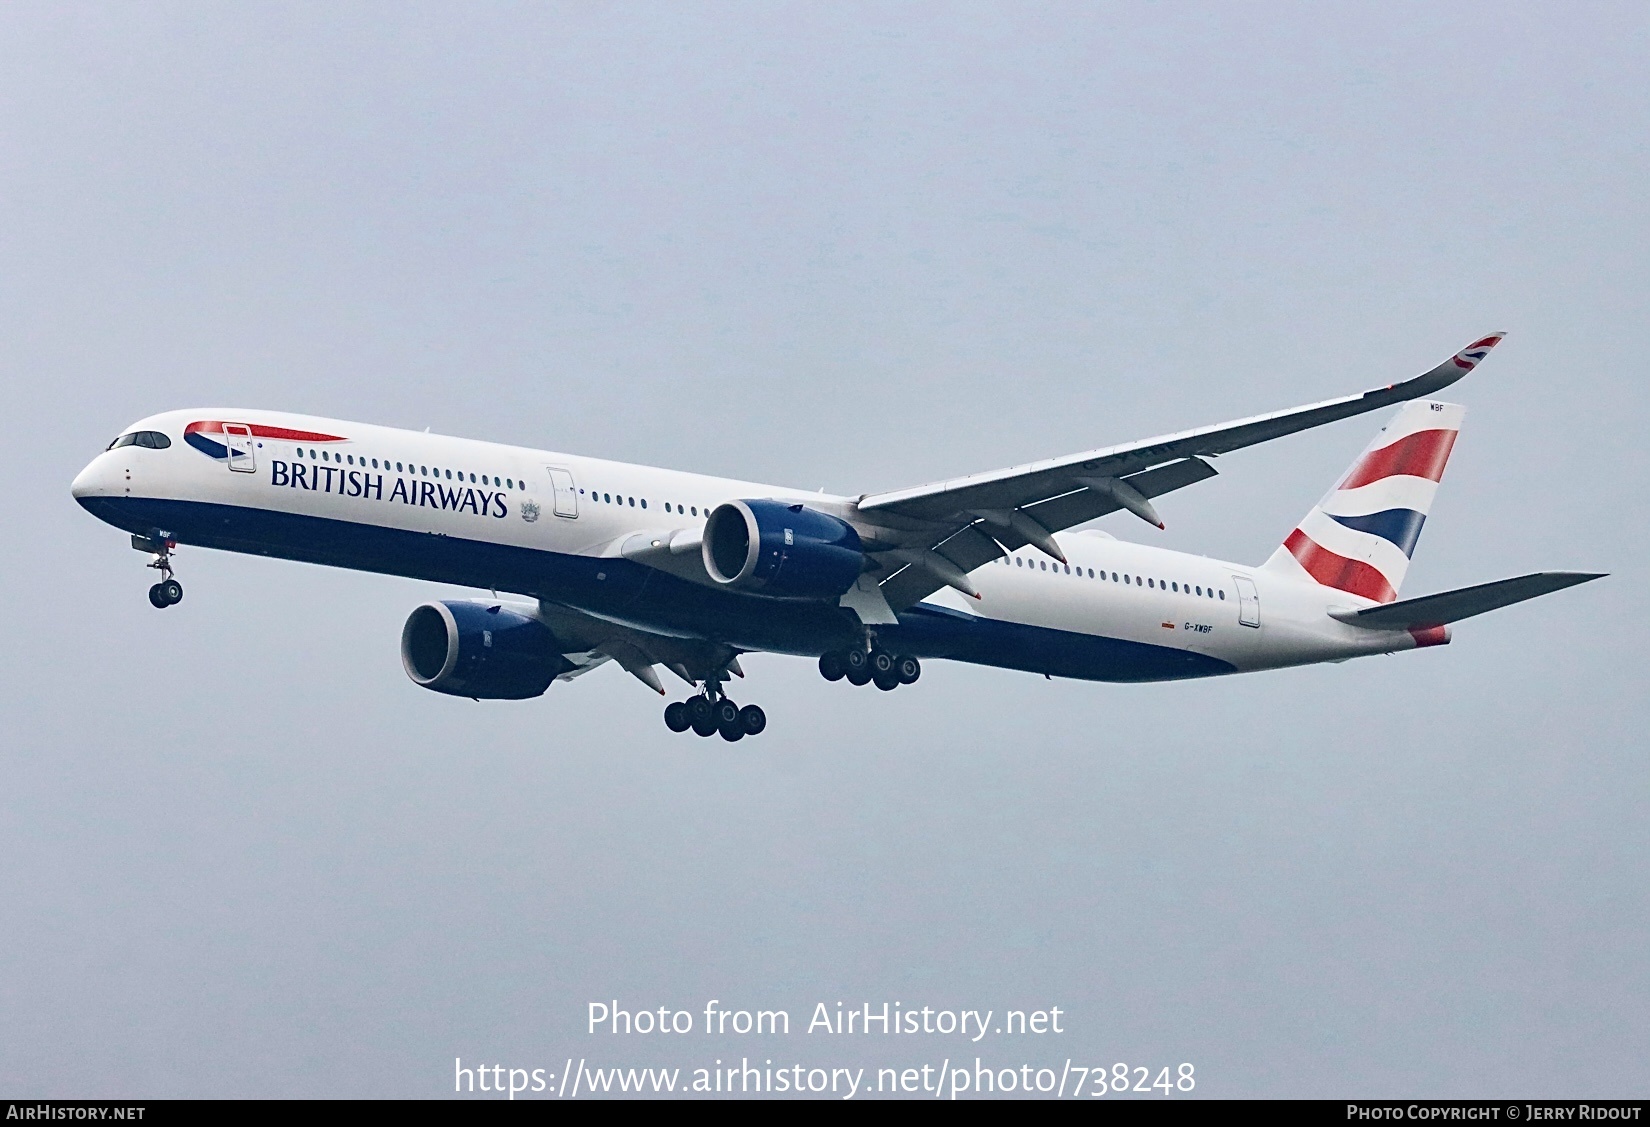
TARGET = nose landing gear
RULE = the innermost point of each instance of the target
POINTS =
(168, 592)
(712, 713)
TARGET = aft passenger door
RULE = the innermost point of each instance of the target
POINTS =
(237, 437)
(1248, 601)
(567, 497)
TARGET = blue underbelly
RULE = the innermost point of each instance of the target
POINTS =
(636, 595)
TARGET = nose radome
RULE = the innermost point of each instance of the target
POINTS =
(90, 482)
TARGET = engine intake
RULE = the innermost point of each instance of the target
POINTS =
(480, 650)
(784, 551)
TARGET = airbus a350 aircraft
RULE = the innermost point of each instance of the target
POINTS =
(649, 567)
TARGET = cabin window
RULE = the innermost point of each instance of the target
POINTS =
(644, 502)
(1223, 596)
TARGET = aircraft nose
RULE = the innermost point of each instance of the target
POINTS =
(93, 481)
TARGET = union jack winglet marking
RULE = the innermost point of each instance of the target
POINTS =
(1470, 357)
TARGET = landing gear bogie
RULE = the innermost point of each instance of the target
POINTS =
(886, 670)
(710, 714)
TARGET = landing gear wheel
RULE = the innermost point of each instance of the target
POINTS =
(752, 719)
(701, 717)
(157, 598)
(882, 664)
(172, 591)
(908, 669)
(677, 718)
(887, 682)
(727, 720)
(856, 664)
(831, 666)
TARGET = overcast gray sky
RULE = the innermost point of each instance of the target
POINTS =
(859, 247)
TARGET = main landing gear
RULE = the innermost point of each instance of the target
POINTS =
(168, 592)
(874, 666)
(711, 713)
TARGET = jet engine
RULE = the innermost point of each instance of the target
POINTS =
(784, 551)
(481, 650)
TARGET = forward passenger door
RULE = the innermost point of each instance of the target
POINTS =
(567, 496)
(237, 438)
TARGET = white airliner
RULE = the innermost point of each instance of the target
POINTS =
(649, 567)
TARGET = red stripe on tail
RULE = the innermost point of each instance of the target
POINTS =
(1422, 454)
(1332, 570)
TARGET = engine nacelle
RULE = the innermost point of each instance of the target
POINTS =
(780, 550)
(480, 650)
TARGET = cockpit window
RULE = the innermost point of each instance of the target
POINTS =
(148, 439)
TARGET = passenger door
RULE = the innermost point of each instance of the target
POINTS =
(567, 497)
(237, 437)
(1248, 601)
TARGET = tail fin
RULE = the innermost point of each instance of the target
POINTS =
(1359, 538)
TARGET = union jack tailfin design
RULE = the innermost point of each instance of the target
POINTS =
(1359, 538)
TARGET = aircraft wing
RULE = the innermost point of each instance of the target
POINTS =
(932, 535)
(593, 642)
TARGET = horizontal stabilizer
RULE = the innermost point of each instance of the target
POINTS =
(1453, 606)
